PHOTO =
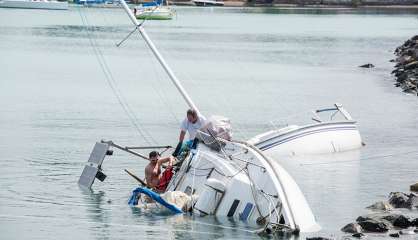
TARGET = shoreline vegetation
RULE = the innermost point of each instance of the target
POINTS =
(292, 4)
(311, 4)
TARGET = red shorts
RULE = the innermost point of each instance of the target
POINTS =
(165, 179)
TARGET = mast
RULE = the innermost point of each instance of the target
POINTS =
(157, 54)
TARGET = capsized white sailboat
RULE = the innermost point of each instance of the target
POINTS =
(238, 181)
(321, 137)
(229, 178)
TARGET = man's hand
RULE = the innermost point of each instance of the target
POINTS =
(171, 161)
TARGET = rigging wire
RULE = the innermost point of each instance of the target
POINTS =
(216, 105)
(159, 78)
(366, 158)
(111, 81)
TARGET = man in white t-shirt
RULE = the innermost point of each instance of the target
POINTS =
(191, 124)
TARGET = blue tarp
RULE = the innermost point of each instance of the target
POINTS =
(155, 196)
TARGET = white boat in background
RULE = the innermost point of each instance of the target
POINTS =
(322, 137)
(154, 13)
(34, 4)
(155, 10)
(204, 3)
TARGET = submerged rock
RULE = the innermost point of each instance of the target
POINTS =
(372, 225)
(364, 218)
(352, 228)
(358, 235)
(395, 235)
(381, 206)
(367, 65)
(318, 238)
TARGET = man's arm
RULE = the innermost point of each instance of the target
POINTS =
(169, 159)
(182, 134)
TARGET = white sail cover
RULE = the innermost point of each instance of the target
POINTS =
(218, 126)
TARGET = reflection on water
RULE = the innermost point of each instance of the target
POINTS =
(253, 65)
(97, 212)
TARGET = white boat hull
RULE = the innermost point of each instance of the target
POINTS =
(204, 3)
(51, 5)
(318, 138)
(259, 188)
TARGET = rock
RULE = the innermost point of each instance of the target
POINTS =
(414, 187)
(358, 235)
(413, 199)
(398, 199)
(415, 230)
(405, 59)
(352, 228)
(395, 235)
(382, 206)
(367, 65)
(402, 222)
(374, 226)
(398, 220)
(318, 238)
(363, 218)
(411, 65)
(414, 222)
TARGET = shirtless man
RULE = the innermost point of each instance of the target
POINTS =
(153, 169)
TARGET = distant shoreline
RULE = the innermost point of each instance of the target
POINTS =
(244, 4)
(334, 5)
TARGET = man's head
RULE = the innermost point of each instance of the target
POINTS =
(192, 115)
(153, 156)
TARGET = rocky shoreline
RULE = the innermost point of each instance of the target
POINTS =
(384, 221)
(406, 68)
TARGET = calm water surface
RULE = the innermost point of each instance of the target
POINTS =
(60, 71)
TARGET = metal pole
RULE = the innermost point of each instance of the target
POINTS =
(154, 50)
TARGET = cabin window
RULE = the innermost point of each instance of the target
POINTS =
(246, 212)
(233, 208)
